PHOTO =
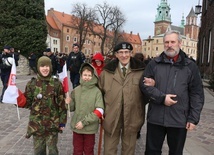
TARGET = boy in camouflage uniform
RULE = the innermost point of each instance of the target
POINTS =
(48, 115)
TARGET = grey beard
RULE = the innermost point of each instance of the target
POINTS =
(171, 54)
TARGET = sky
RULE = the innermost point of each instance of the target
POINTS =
(140, 14)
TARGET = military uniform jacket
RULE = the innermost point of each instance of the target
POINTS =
(45, 99)
(114, 88)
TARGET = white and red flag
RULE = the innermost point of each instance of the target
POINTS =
(12, 94)
(63, 77)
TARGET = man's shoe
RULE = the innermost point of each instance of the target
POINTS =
(138, 135)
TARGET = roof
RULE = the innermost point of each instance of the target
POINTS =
(52, 23)
(132, 38)
(192, 13)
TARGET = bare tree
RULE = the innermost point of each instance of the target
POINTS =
(82, 18)
(109, 20)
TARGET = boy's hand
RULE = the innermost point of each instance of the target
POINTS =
(79, 125)
(68, 100)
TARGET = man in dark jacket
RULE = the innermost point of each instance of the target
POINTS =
(74, 62)
(176, 100)
(32, 62)
(54, 61)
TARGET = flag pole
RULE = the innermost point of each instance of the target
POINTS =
(17, 107)
(69, 114)
(100, 138)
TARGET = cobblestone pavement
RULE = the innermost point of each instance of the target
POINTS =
(13, 141)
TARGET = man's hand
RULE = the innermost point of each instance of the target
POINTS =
(149, 81)
(190, 126)
(169, 100)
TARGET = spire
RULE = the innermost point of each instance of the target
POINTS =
(182, 21)
(163, 12)
(191, 19)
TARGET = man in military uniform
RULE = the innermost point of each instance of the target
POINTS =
(48, 116)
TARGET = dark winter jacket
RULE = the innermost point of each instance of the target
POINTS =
(181, 78)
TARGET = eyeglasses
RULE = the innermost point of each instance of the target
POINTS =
(125, 52)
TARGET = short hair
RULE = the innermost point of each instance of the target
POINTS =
(87, 67)
(76, 45)
(173, 32)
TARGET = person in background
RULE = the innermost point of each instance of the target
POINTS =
(88, 107)
(5, 68)
(139, 56)
(48, 113)
(176, 99)
(54, 61)
(124, 104)
(15, 55)
(32, 63)
(74, 62)
(98, 62)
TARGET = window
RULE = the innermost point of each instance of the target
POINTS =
(75, 39)
(203, 48)
(156, 48)
(66, 49)
(67, 30)
(54, 42)
(67, 38)
(55, 34)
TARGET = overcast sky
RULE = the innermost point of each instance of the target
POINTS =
(140, 14)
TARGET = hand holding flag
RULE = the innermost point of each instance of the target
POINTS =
(63, 77)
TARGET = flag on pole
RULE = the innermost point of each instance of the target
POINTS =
(11, 93)
(63, 77)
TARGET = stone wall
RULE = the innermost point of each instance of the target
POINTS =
(23, 68)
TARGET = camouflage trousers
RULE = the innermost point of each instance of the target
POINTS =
(46, 144)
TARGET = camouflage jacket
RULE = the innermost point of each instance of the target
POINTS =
(45, 99)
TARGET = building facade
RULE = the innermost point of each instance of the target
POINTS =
(206, 40)
(62, 35)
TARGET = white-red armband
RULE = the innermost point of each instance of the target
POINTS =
(99, 112)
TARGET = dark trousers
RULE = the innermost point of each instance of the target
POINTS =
(4, 79)
(74, 77)
(83, 144)
(155, 137)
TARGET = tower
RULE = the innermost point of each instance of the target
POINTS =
(191, 28)
(163, 18)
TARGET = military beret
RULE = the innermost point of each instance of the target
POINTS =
(123, 45)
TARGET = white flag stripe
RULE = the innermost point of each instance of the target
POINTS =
(11, 93)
